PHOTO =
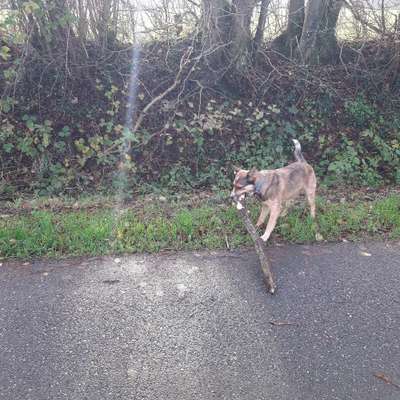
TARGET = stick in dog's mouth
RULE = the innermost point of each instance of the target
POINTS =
(237, 199)
(239, 195)
(238, 203)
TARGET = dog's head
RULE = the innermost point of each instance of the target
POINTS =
(243, 183)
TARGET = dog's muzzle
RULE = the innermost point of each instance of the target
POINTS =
(241, 193)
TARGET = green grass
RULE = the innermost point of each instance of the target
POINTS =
(157, 227)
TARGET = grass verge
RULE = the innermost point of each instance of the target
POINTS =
(174, 226)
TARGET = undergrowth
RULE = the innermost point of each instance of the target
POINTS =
(56, 141)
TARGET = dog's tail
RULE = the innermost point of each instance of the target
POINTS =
(297, 151)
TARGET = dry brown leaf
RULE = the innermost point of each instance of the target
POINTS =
(386, 379)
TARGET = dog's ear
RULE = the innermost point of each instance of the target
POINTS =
(251, 175)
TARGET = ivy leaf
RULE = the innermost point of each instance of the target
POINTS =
(30, 124)
(7, 147)
(65, 132)
(30, 7)
(259, 115)
(5, 53)
(129, 135)
(46, 140)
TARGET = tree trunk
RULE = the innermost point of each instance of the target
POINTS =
(216, 18)
(240, 49)
(295, 22)
(258, 38)
(107, 25)
(82, 21)
(318, 44)
(288, 41)
(226, 34)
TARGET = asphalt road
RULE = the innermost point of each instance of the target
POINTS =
(198, 326)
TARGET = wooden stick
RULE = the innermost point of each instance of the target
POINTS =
(259, 246)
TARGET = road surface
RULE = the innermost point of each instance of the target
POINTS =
(201, 326)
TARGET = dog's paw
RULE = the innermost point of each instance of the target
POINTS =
(319, 237)
(264, 238)
(239, 205)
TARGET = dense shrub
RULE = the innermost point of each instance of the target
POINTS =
(64, 131)
(198, 149)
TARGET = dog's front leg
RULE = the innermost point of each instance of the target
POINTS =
(275, 210)
(263, 215)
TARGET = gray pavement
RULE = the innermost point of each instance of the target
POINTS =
(198, 326)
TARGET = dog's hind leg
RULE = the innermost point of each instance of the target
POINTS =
(311, 202)
(263, 215)
(310, 193)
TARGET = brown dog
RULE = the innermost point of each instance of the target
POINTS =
(276, 186)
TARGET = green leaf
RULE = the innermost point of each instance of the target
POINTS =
(127, 134)
(5, 53)
(65, 132)
(259, 115)
(7, 147)
(30, 7)
(46, 140)
(30, 125)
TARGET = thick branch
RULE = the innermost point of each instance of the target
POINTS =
(259, 246)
